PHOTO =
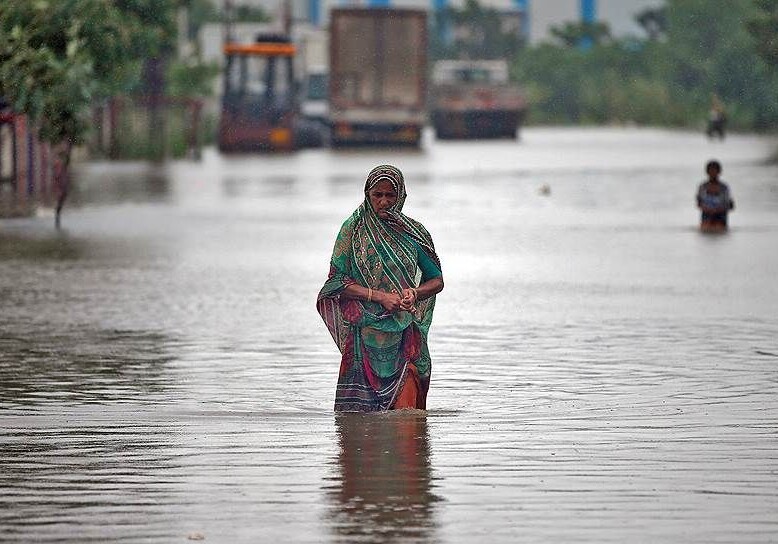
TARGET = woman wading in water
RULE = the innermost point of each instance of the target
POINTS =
(378, 301)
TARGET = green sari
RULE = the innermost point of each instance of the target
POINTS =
(377, 347)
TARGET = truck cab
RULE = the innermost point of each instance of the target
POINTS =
(259, 104)
(475, 99)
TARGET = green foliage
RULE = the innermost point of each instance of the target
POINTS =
(653, 21)
(48, 75)
(705, 50)
(475, 32)
(607, 83)
(56, 55)
(151, 26)
(763, 26)
(200, 13)
(250, 14)
(170, 139)
(209, 11)
(191, 79)
(576, 34)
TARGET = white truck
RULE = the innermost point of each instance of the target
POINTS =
(475, 99)
(377, 76)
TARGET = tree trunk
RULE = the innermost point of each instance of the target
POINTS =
(62, 154)
(154, 91)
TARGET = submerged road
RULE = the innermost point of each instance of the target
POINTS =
(602, 372)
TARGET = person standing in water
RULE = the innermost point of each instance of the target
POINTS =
(714, 200)
(378, 301)
(717, 119)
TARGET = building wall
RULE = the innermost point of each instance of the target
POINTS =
(620, 15)
(300, 8)
(543, 14)
(212, 37)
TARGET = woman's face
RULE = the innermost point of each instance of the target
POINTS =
(713, 171)
(382, 197)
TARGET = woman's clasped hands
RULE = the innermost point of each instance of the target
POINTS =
(394, 301)
(408, 300)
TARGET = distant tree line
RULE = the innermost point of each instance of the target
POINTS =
(693, 51)
(764, 27)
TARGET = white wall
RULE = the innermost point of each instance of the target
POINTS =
(212, 37)
(300, 7)
(620, 15)
(543, 14)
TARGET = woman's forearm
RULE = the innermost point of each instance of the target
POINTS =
(390, 301)
(429, 288)
(423, 291)
(358, 292)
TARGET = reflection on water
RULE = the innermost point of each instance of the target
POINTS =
(603, 372)
(121, 183)
(383, 488)
(87, 475)
(46, 247)
(81, 366)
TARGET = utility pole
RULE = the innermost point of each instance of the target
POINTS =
(314, 12)
(588, 19)
(286, 17)
(227, 36)
(523, 7)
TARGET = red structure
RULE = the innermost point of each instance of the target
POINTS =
(34, 173)
(26, 172)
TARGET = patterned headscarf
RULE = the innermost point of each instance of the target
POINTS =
(396, 219)
(375, 252)
(391, 174)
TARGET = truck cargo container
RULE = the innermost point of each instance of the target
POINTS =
(474, 99)
(378, 76)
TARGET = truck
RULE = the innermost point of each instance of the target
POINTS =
(377, 76)
(260, 107)
(474, 99)
(314, 77)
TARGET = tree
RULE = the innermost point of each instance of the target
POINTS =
(201, 12)
(476, 33)
(710, 51)
(57, 55)
(653, 21)
(706, 49)
(764, 28)
(576, 34)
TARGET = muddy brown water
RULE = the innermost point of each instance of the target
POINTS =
(602, 372)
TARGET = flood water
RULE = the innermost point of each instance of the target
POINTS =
(602, 372)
